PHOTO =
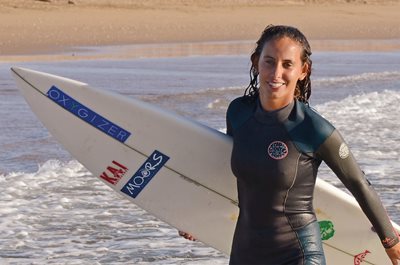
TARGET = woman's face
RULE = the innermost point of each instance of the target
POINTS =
(280, 67)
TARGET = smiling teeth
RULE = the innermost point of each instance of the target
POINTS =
(275, 85)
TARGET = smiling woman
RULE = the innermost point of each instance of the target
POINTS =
(280, 69)
(288, 57)
(279, 143)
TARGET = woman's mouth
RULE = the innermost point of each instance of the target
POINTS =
(276, 84)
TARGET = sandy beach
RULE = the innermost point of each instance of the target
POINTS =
(43, 27)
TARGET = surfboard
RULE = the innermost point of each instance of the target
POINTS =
(175, 168)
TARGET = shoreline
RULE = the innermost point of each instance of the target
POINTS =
(54, 29)
(206, 48)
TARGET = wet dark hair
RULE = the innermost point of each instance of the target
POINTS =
(271, 32)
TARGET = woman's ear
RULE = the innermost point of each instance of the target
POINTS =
(304, 71)
(254, 62)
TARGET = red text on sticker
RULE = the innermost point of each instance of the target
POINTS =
(360, 257)
(114, 173)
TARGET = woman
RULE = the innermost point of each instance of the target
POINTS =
(278, 144)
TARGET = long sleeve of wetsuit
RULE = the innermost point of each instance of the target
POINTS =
(228, 127)
(337, 156)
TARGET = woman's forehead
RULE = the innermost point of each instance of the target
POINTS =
(282, 46)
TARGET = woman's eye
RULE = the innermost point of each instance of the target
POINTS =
(287, 65)
(269, 62)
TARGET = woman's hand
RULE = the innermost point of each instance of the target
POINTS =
(189, 236)
(394, 254)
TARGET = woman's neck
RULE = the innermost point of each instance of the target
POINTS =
(269, 104)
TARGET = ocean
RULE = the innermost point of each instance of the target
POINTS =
(52, 211)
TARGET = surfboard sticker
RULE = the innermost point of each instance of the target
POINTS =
(144, 174)
(358, 259)
(114, 172)
(327, 230)
(88, 115)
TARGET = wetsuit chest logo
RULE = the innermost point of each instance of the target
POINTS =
(278, 150)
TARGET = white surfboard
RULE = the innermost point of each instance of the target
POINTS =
(174, 168)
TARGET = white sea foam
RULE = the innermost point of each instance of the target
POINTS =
(370, 123)
(218, 104)
(363, 77)
(63, 215)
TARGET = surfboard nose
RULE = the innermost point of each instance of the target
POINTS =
(19, 71)
(19, 75)
(24, 74)
(16, 71)
(27, 78)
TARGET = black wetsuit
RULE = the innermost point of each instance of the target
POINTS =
(275, 158)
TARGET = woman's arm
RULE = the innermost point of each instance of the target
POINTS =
(336, 154)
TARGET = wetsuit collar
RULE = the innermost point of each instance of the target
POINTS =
(271, 117)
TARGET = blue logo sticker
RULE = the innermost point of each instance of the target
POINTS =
(144, 174)
(87, 115)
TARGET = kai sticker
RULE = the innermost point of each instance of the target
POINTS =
(327, 230)
(114, 172)
(360, 257)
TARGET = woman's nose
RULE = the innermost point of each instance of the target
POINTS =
(277, 71)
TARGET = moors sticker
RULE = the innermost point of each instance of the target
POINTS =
(277, 150)
(344, 151)
(144, 174)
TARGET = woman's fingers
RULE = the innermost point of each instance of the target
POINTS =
(187, 236)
